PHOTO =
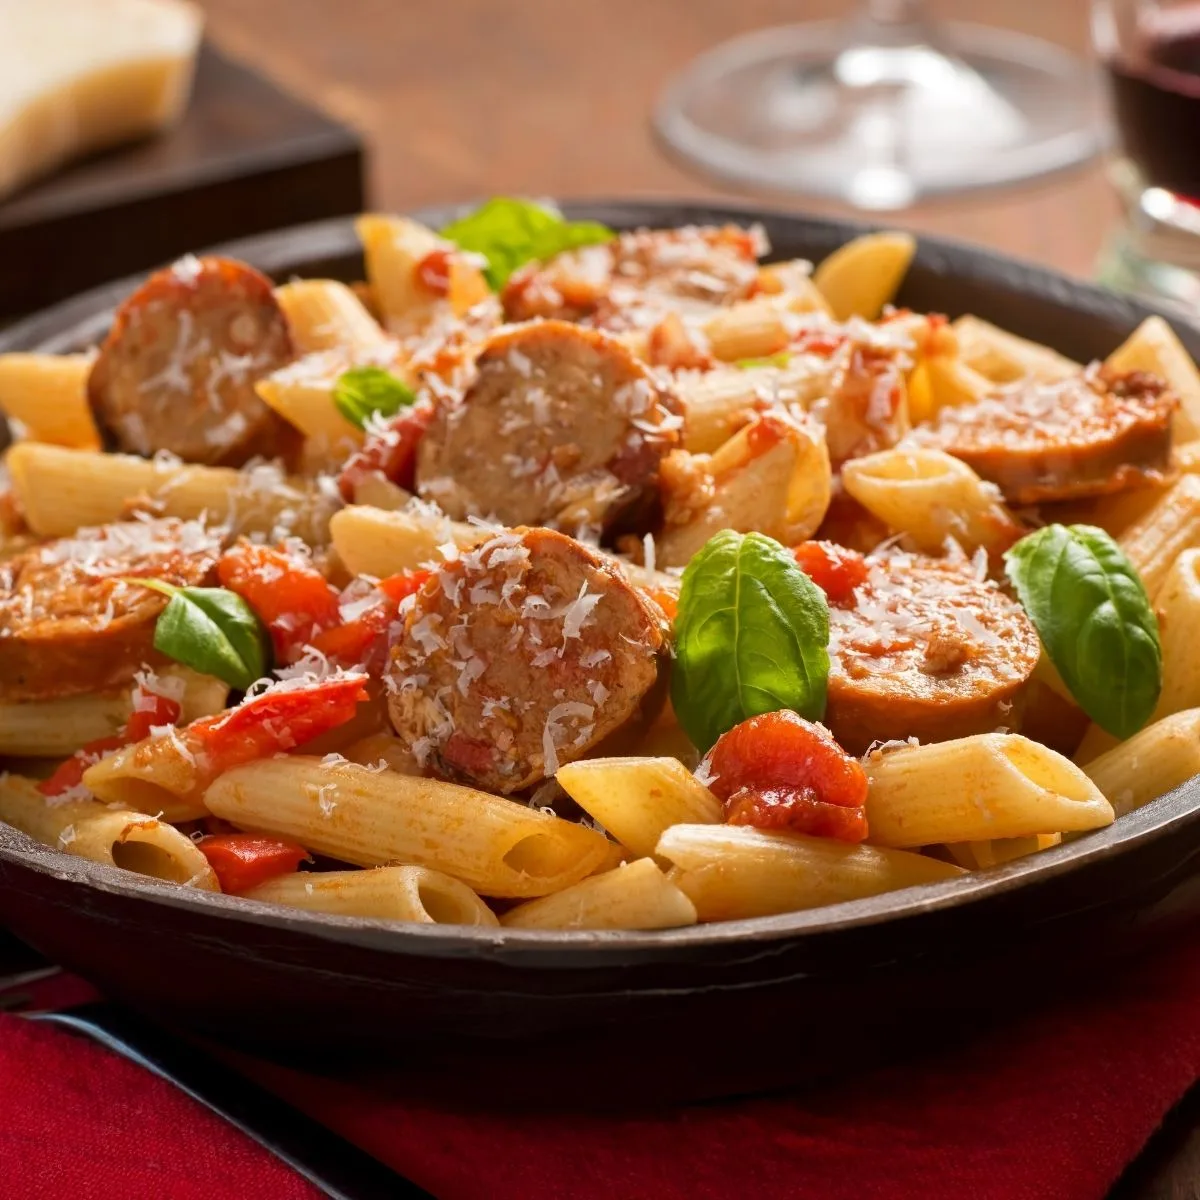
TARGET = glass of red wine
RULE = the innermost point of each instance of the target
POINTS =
(881, 108)
(1151, 52)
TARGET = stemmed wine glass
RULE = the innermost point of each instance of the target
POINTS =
(881, 108)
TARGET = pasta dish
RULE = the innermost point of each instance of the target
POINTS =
(554, 577)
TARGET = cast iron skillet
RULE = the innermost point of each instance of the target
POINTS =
(699, 1011)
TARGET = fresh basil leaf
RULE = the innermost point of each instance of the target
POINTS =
(362, 392)
(750, 637)
(774, 360)
(509, 233)
(213, 631)
(1095, 620)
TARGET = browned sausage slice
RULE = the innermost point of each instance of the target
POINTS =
(562, 426)
(69, 624)
(639, 277)
(178, 368)
(520, 656)
(925, 649)
(1091, 434)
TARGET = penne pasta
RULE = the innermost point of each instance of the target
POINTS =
(116, 838)
(62, 490)
(637, 799)
(978, 856)
(930, 496)
(407, 893)
(1150, 764)
(859, 278)
(302, 393)
(793, 278)
(773, 477)
(731, 872)
(991, 785)
(327, 315)
(1178, 605)
(47, 393)
(369, 818)
(636, 895)
(371, 541)
(1153, 346)
(1153, 543)
(1004, 357)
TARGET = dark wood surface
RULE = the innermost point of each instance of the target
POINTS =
(246, 157)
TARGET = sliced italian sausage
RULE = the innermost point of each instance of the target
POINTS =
(925, 649)
(1094, 433)
(519, 656)
(639, 277)
(178, 368)
(562, 426)
(69, 623)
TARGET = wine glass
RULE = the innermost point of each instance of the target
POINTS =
(882, 108)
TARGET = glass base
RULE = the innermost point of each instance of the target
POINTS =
(881, 115)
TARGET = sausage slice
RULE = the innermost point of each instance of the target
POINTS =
(562, 426)
(925, 649)
(178, 368)
(68, 622)
(520, 656)
(639, 277)
(1097, 432)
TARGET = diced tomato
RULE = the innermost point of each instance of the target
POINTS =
(406, 583)
(244, 860)
(291, 597)
(434, 271)
(276, 721)
(667, 601)
(779, 771)
(392, 453)
(150, 709)
(361, 641)
(834, 569)
(819, 341)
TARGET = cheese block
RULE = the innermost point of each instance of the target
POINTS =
(81, 75)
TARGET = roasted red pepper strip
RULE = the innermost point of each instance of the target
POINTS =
(275, 721)
(244, 860)
(361, 642)
(434, 271)
(834, 569)
(291, 597)
(392, 453)
(150, 709)
(779, 771)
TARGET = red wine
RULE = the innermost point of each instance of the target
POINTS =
(1156, 97)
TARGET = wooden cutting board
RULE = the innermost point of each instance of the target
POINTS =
(246, 157)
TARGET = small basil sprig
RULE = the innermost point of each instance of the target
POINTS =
(361, 392)
(1092, 613)
(213, 631)
(751, 637)
(509, 233)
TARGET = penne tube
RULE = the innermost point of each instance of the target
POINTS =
(991, 785)
(930, 496)
(302, 393)
(62, 490)
(1153, 762)
(370, 818)
(371, 541)
(1178, 606)
(636, 895)
(1003, 357)
(57, 728)
(793, 278)
(951, 384)
(758, 328)
(116, 838)
(772, 477)
(978, 856)
(1172, 526)
(731, 872)
(47, 393)
(1153, 346)
(637, 799)
(859, 278)
(326, 315)
(408, 893)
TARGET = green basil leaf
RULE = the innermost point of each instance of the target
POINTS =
(213, 631)
(363, 391)
(774, 360)
(509, 233)
(751, 637)
(1095, 620)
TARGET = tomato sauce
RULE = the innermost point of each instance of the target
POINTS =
(834, 569)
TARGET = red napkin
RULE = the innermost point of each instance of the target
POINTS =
(1051, 1106)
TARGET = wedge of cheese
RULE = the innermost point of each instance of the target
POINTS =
(81, 75)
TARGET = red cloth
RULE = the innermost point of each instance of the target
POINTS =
(1051, 1107)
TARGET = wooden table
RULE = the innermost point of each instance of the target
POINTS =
(467, 98)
